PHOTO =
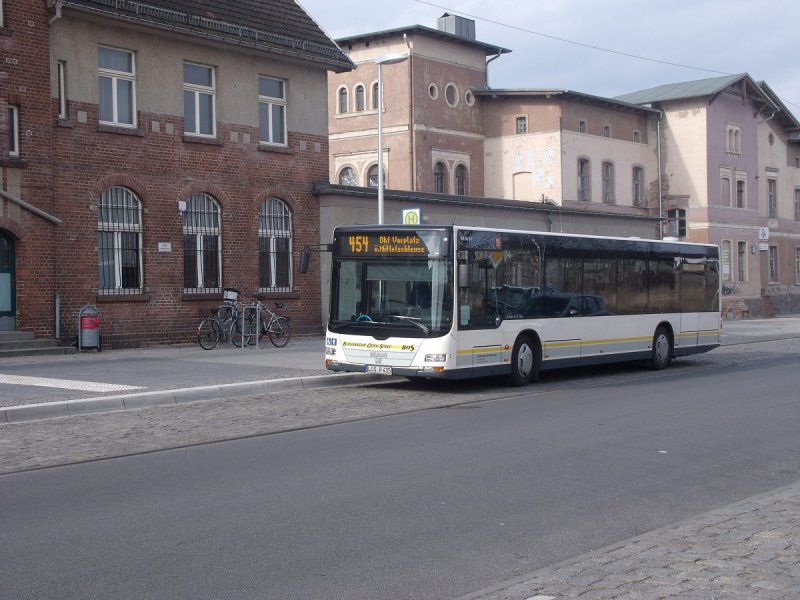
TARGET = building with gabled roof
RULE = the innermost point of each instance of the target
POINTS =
(167, 151)
(731, 162)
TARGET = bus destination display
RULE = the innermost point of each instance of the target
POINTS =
(382, 244)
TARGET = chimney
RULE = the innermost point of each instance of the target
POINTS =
(456, 25)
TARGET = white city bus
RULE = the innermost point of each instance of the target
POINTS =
(457, 302)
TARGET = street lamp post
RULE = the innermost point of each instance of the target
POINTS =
(386, 59)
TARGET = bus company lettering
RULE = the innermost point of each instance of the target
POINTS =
(372, 346)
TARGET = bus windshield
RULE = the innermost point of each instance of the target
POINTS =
(381, 296)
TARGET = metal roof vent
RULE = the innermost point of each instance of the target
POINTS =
(456, 25)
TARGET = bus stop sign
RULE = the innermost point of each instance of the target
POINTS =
(412, 216)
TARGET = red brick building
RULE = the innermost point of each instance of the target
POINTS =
(164, 155)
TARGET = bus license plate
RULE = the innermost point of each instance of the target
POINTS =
(379, 369)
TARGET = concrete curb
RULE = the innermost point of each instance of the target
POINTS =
(83, 406)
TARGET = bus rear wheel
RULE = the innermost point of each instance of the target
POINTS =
(524, 361)
(662, 349)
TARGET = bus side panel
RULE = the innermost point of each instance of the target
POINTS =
(688, 332)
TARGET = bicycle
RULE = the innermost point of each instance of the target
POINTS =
(277, 327)
(224, 323)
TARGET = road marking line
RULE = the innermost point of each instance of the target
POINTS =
(66, 384)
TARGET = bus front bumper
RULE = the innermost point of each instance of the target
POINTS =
(427, 372)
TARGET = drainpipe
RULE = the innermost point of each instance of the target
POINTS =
(57, 5)
(410, 47)
(660, 191)
(495, 57)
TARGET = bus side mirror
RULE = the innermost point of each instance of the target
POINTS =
(464, 279)
(304, 258)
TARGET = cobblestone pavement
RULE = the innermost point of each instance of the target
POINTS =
(747, 550)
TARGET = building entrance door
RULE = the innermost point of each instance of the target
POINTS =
(8, 303)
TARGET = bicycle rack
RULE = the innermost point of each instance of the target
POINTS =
(258, 326)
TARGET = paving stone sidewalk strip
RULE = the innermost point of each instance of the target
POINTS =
(749, 550)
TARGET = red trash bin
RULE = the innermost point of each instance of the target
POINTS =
(89, 325)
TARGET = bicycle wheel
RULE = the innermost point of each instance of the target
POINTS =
(208, 334)
(244, 330)
(280, 332)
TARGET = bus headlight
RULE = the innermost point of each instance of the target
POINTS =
(330, 351)
(435, 357)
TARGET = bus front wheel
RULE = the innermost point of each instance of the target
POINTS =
(524, 361)
(662, 349)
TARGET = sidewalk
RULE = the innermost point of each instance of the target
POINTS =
(748, 550)
(33, 388)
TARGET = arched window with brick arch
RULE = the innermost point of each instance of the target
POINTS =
(119, 241)
(202, 245)
(274, 246)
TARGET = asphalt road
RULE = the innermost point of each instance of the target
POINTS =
(428, 504)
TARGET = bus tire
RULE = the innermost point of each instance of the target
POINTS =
(524, 361)
(662, 349)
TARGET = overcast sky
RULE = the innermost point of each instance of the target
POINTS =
(715, 37)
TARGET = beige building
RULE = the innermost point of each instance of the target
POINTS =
(445, 131)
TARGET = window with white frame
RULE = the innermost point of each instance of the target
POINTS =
(725, 191)
(741, 193)
(117, 78)
(773, 263)
(797, 204)
(521, 125)
(440, 178)
(119, 244)
(462, 178)
(272, 111)
(62, 89)
(797, 266)
(375, 95)
(347, 176)
(13, 130)
(199, 99)
(275, 246)
(343, 101)
(676, 222)
(584, 186)
(734, 144)
(741, 260)
(451, 95)
(361, 98)
(202, 244)
(725, 259)
(638, 186)
(372, 177)
(772, 198)
(608, 182)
